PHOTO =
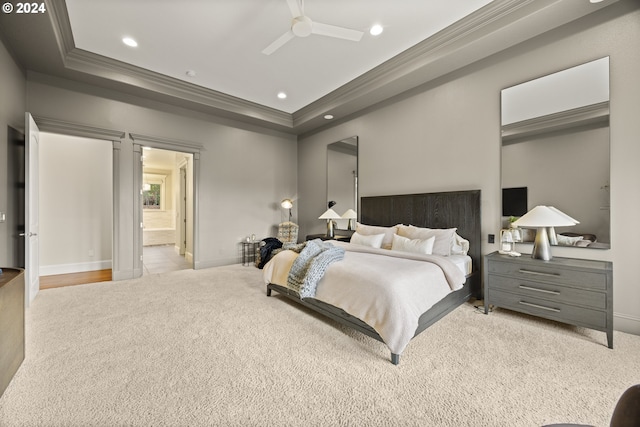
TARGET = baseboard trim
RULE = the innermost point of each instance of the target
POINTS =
(50, 270)
(626, 323)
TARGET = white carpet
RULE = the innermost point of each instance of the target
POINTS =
(208, 348)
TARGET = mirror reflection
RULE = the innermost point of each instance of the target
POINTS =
(555, 151)
(342, 177)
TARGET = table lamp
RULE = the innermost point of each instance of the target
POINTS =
(542, 217)
(329, 215)
(350, 215)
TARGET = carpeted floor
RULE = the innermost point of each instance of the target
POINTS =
(208, 348)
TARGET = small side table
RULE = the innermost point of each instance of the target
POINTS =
(249, 251)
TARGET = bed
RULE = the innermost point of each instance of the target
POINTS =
(442, 210)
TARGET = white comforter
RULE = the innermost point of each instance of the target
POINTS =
(388, 290)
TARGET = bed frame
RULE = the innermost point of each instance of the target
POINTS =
(459, 209)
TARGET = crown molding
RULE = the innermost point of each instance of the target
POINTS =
(48, 124)
(495, 27)
(83, 61)
(165, 143)
(594, 115)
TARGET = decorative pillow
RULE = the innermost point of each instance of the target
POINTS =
(373, 240)
(416, 246)
(459, 245)
(367, 230)
(444, 237)
(568, 241)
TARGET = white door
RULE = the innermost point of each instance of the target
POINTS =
(32, 221)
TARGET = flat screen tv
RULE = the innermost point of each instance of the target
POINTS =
(514, 201)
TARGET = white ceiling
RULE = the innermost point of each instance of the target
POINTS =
(222, 41)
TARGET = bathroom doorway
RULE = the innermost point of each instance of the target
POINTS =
(167, 194)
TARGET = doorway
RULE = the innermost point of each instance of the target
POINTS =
(76, 208)
(167, 193)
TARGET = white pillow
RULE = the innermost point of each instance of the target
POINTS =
(444, 237)
(367, 230)
(568, 241)
(415, 246)
(373, 240)
(459, 245)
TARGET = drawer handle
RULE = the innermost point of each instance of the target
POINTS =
(539, 273)
(544, 291)
(555, 310)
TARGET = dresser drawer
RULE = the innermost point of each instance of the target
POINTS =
(548, 291)
(580, 316)
(550, 274)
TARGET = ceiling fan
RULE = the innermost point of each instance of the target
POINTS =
(302, 26)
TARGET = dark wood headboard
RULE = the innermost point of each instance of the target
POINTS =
(460, 209)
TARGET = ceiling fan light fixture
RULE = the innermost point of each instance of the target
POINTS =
(301, 26)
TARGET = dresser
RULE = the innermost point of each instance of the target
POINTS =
(11, 324)
(574, 291)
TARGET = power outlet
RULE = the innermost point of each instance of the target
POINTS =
(492, 238)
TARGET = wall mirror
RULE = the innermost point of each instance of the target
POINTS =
(342, 177)
(555, 150)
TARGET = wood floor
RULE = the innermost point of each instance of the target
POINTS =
(59, 280)
(156, 260)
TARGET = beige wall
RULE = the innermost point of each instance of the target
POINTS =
(75, 204)
(446, 136)
(244, 172)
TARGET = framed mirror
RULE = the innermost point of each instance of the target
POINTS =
(555, 151)
(342, 177)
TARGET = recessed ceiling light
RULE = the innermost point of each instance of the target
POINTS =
(376, 30)
(129, 41)
(595, 1)
(190, 73)
(328, 116)
(282, 95)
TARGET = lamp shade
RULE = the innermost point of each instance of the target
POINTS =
(350, 214)
(544, 216)
(558, 211)
(329, 214)
(287, 203)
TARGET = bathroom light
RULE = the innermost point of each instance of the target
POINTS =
(129, 42)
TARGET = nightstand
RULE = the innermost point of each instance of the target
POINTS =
(569, 290)
(324, 237)
(249, 251)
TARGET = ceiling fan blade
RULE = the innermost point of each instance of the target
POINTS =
(338, 32)
(294, 7)
(278, 43)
